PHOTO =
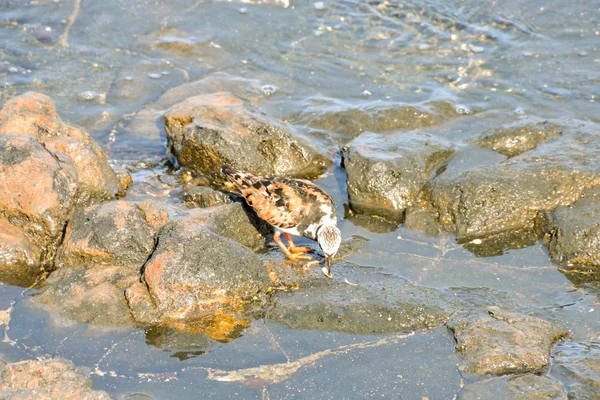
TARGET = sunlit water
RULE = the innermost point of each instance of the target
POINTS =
(481, 63)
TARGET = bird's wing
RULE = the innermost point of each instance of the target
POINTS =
(276, 201)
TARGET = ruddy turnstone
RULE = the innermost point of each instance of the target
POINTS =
(292, 206)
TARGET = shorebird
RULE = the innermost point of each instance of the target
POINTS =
(292, 207)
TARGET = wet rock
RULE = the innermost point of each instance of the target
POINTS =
(348, 121)
(422, 219)
(378, 307)
(510, 196)
(18, 256)
(112, 233)
(203, 196)
(386, 172)
(577, 365)
(522, 387)
(502, 342)
(518, 137)
(47, 168)
(198, 279)
(89, 295)
(575, 232)
(204, 132)
(47, 379)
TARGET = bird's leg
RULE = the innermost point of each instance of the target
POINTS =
(288, 254)
(296, 249)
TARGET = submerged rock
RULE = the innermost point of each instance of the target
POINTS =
(502, 342)
(112, 233)
(522, 387)
(577, 365)
(386, 172)
(511, 196)
(198, 279)
(380, 307)
(348, 121)
(89, 295)
(204, 132)
(518, 137)
(47, 168)
(55, 378)
(575, 232)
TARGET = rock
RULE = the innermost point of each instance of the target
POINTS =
(503, 343)
(37, 194)
(47, 169)
(422, 219)
(233, 221)
(112, 233)
(34, 114)
(376, 308)
(89, 295)
(206, 131)
(522, 387)
(203, 196)
(47, 379)
(346, 121)
(197, 279)
(518, 137)
(511, 196)
(386, 172)
(577, 365)
(575, 232)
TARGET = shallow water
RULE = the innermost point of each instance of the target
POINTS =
(476, 64)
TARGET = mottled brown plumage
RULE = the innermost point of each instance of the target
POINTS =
(291, 206)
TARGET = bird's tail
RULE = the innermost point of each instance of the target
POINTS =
(239, 179)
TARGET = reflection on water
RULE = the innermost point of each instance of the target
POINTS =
(334, 69)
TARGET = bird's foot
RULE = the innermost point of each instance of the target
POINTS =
(295, 257)
(300, 249)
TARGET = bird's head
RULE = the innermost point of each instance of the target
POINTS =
(329, 238)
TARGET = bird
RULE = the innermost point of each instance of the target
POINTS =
(292, 207)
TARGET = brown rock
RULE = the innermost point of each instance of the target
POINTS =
(34, 114)
(204, 132)
(47, 379)
(37, 194)
(47, 168)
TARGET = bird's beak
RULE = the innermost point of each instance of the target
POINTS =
(327, 269)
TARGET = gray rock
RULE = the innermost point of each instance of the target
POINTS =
(575, 232)
(204, 197)
(522, 387)
(511, 196)
(577, 366)
(112, 233)
(380, 307)
(204, 132)
(502, 342)
(47, 379)
(386, 172)
(197, 279)
(518, 137)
